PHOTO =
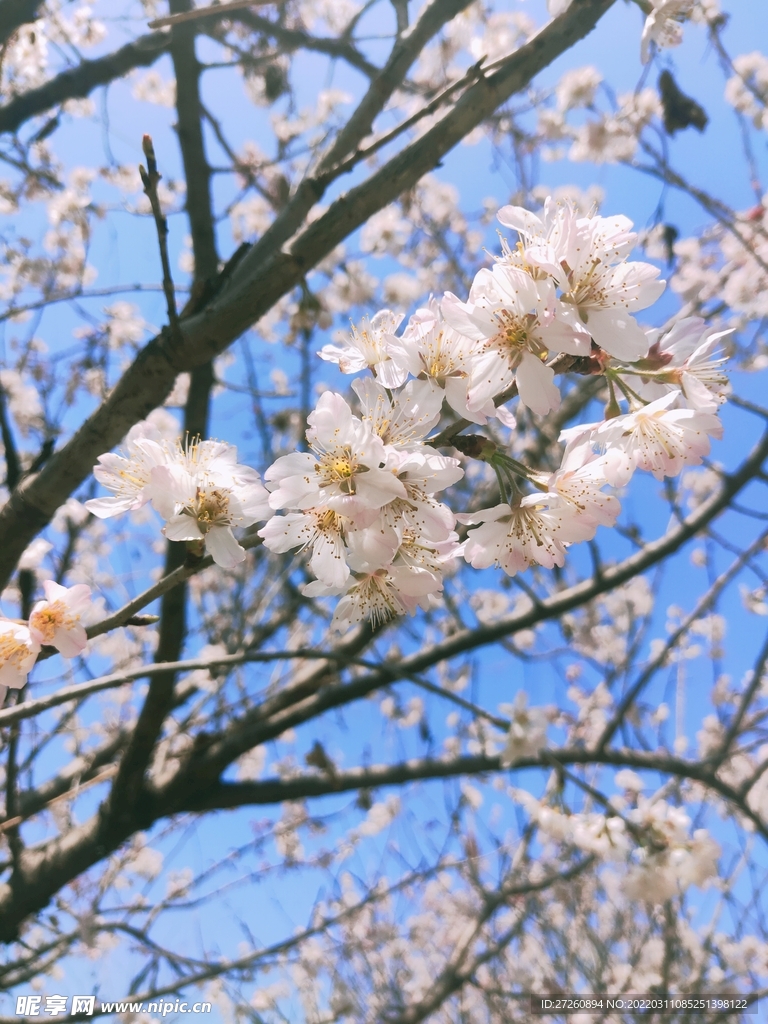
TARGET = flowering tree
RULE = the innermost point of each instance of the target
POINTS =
(407, 507)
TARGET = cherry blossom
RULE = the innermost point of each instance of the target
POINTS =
(377, 593)
(536, 530)
(663, 25)
(401, 420)
(321, 530)
(369, 347)
(127, 477)
(579, 482)
(507, 316)
(586, 259)
(207, 494)
(440, 358)
(57, 620)
(527, 729)
(343, 471)
(685, 358)
(18, 652)
(660, 438)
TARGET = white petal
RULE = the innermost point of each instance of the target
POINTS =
(223, 548)
(520, 220)
(182, 528)
(105, 508)
(328, 562)
(536, 385)
(506, 416)
(618, 333)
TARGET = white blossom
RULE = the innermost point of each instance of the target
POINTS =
(660, 438)
(586, 258)
(369, 347)
(378, 594)
(57, 620)
(536, 530)
(686, 358)
(18, 653)
(204, 494)
(663, 25)
(514, 329)
(440, 358)
(343, 471)
(527, 729)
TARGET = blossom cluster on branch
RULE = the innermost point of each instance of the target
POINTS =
(362, 500)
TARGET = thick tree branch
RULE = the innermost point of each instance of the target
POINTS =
(15, 13)
(82, 80)
(229, 795)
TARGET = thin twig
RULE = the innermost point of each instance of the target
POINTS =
(204, 12)
(150, 177)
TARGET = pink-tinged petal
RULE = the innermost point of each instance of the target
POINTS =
(79, 598)
(639, 282)
(698, 394)
(483, 546)
(11, 677)
(536, 385)
(389, 374)
(546, 258)
(457, 398)
(483, 515)
(348, 361)
(331, 419)
(375, 545)
(70, 641)
(505, 415)
(319, 589)
(414, 582)
(516, 285)
(170, 486)
(566, 334)
(55, 592)
(223, 548)
(619, 467)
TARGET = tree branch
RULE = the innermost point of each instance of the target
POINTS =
(82, 80)
(15, 13)
(159, 700)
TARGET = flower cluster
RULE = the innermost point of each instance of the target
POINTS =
(198, 488)
(361, 500)
(55, 622)
(653, 840)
